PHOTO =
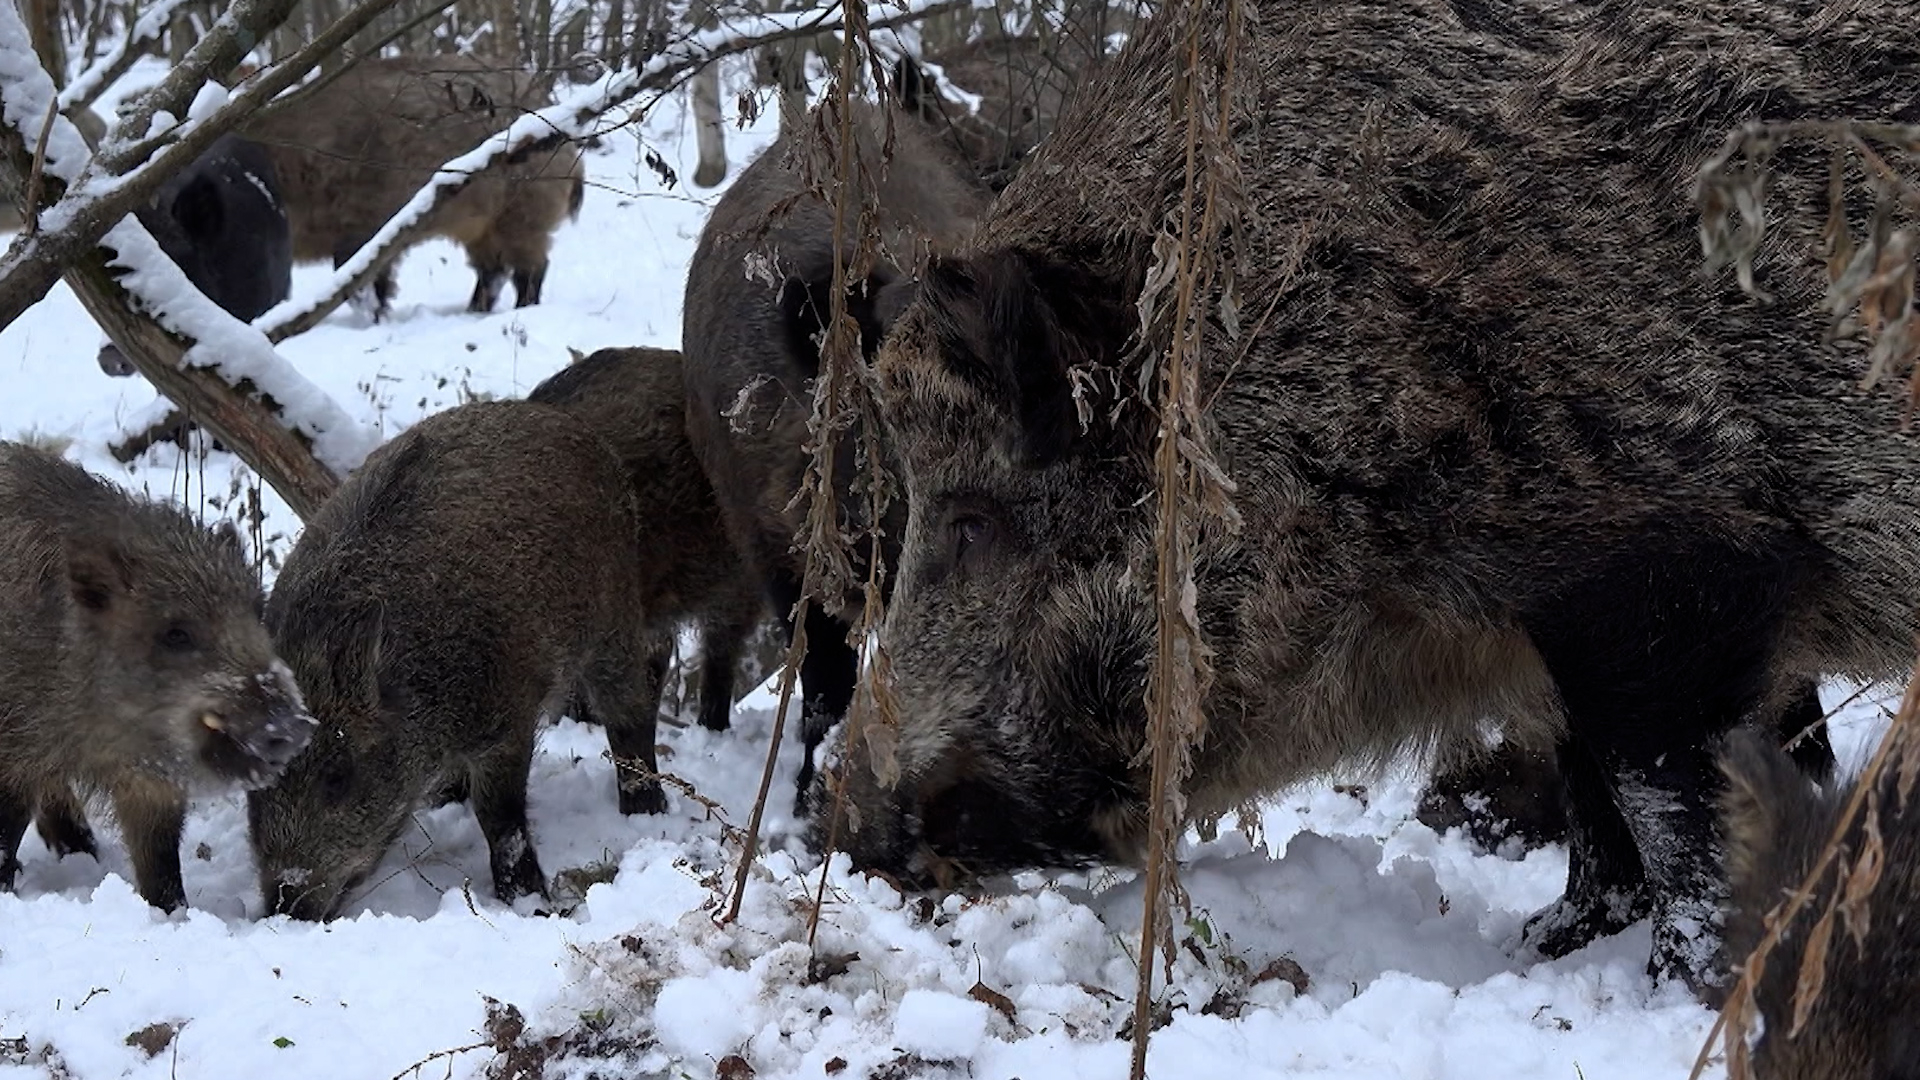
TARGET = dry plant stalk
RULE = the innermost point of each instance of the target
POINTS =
(1899, 748)
(842, 392)
(1870, 278)
(1189, 484)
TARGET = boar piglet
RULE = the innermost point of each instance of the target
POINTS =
(474, 575)
(133, 663)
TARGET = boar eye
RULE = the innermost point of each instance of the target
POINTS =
(972, 537)
(177, 638)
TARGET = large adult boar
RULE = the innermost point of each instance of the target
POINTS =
(476, 573)
(636, 400)
(1499, 452)
(132, 663)
(749, 336)
(1865, 1023)
(221, 220)
(352, 151)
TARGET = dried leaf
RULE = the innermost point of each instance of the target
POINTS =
(1813, 971)
(1286, 969)
(1861, 879)
(998, 1001)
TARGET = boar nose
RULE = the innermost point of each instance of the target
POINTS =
(275, 739)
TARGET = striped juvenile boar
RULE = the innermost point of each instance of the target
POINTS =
(477, 572)
(1499, 453)
(132, 663)
(351, 152)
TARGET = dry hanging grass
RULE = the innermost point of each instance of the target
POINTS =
(843, 394)
(1189, 261)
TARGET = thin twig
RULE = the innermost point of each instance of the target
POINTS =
(39, 170)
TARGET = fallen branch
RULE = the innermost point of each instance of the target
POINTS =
(544, 130)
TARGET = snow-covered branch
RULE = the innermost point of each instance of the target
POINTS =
(572, 119)
(91, 83)
(91, 198)
(223, 372)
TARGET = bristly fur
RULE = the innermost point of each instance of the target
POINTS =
(1500, 451)
(1865, 1025)
(751, 353)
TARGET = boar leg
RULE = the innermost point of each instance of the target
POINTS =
(62, 822)
(828, 674)
(379, 305)
(497, 788)
(625, 693)
(1814, 752)
(721, 640)
(15, 812)
(1654, 658)
(528, 281)
(490, 277)
(152, 818)
(1606, 882)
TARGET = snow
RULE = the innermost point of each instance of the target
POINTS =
(1401, 941)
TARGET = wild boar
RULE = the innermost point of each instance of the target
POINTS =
(475, 573)
(1496, 449)
(132, 663)
(351, 152)
(221, 220)
(751, 354)
(636, 400)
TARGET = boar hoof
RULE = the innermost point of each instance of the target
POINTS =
(648, 799)
(1568, 925)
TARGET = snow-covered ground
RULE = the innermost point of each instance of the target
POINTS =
(1400, 940)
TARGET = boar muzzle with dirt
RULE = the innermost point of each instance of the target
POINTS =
(133, 663)
(1499, 452)
(1864, 1023)
(479, 571)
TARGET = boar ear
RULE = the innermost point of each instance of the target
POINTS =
(98, 572)
(1015, 325)
(1765, 790)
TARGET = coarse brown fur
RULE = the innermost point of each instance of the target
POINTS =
(1021, 83)
(758, 289)
(350, 154)
(132, 663)
(1865, 1023)
(635, 399)
(476, 572)
(1500, 452)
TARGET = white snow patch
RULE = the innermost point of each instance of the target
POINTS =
(940, 1026)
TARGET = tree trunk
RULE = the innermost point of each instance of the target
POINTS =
(708, 133)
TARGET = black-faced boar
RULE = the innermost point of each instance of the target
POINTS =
(636, 400)
(1515, 792)
(222, 222)
(352, 152)
(476, 573)
(758, 291)
(1498, 452)
(1865, 1024)
(132, 663)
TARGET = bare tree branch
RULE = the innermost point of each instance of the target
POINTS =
(91, 83)
(544, 130)
(87, 208)
(231, 381)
